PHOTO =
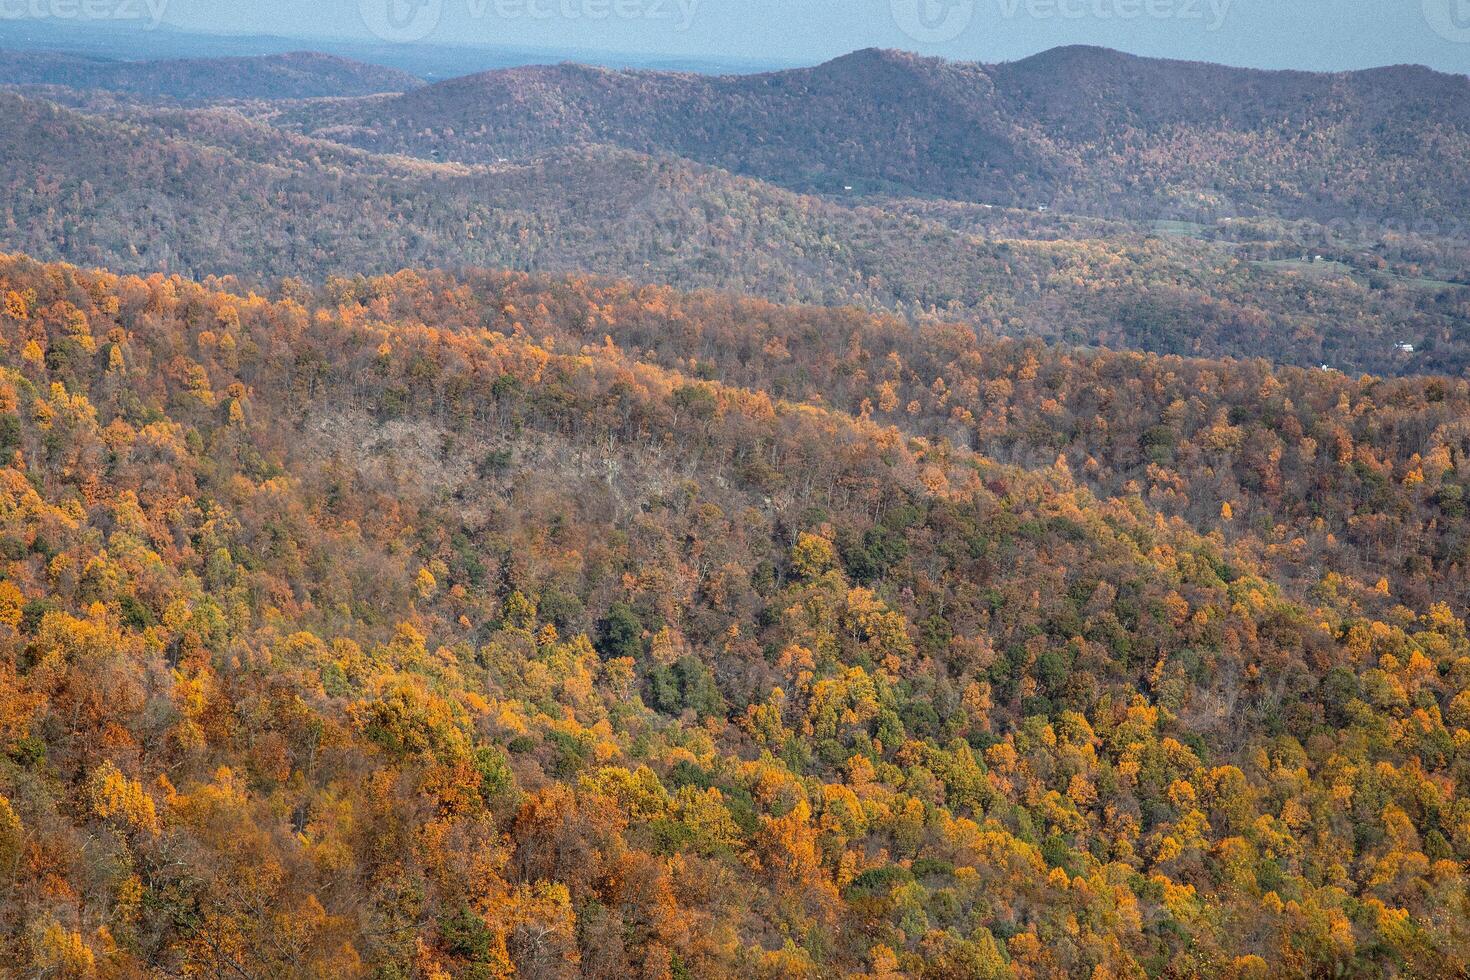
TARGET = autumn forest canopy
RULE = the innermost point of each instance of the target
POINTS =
(897, 518)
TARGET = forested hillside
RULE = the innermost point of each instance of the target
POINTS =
(1078, 129)
(213, 192)
(501, 625)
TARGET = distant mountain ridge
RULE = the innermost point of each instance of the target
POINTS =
(1080, 128)
(297, 75)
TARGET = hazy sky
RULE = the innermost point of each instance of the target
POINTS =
(1315, 34)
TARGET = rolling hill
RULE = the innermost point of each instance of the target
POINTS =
(566, 523)
(1082, 129)
(212, 192)
(335, 643)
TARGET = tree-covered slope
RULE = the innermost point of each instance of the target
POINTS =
(1082, 129)
(210, 193)
(383, 628)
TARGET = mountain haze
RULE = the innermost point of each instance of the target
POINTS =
(298, 75)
